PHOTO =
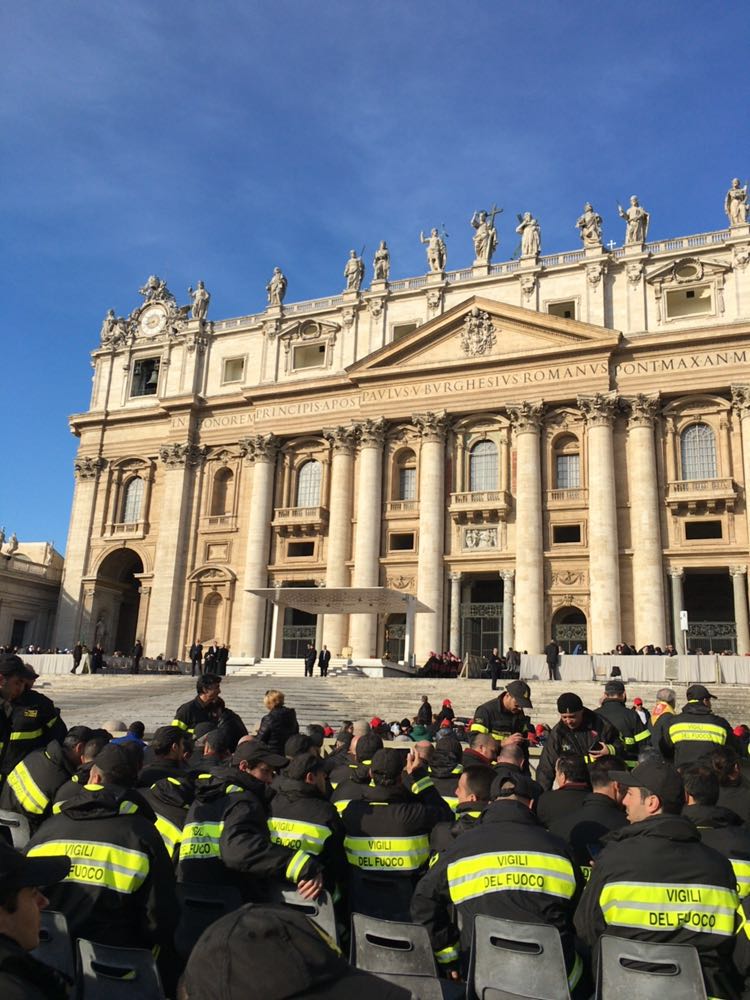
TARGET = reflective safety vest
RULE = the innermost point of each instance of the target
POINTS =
(495, 872)
(99, 864)
(704, 732)
(171, 834)
(201, 841)
(298, 835)
(742, 872)
(388, 854)
(652, 906)
(30, 796)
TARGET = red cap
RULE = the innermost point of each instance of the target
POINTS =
(539, 729)
(447, 704)
(739, 731)
(375, 723)
(637, 701)
(445, 724)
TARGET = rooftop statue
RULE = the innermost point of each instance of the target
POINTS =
(530, 233)
(201, 299)
(735, 203)
(354, 272)
(485, 235)
(437, 252)
(636, 219)
(276, 287)
(155, 290)
(590, 226)
(381, 264)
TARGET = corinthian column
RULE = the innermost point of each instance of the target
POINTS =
(363, 629)
(508, 585)
(604, 569)
(260, 450)
(175, 517)
(648, 573)
(428, 628)
(527, 421)
(342, 441)
(454, 642)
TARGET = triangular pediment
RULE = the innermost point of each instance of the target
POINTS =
(481, 331)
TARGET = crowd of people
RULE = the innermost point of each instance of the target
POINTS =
(623, 822)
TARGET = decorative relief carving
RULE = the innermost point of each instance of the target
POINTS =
(375, 305)
(480, 538)
(88, 468)
(600, 409)
(347, 315)
(342, 439)
(641, 410)
(569, 578)
(635, 273)
(435, 299)
(526, 416)
(431, 426)
(372, 433)
(177, 454)
(741, 399)
(400, 582)
(272, 328)
(478, 333)
(741, 256)
(260, 447)
(594, 273)
(528, 284)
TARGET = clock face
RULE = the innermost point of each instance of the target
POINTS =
(153, 320)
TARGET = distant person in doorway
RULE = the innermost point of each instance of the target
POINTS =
(137, 654)
(310, 657)
(323, 660)
(552, 653)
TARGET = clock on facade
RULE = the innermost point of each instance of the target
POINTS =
(153, 319)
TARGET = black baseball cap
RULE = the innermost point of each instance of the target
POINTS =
(12, 666)
(657, 777)
(282, 953)
(302, 764)
(20, 872)
(569, 701)
(255, 752)
(387, 763)
(521, 691)
(697, 692)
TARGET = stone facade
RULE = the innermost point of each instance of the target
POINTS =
(30, 575)
(556, 444)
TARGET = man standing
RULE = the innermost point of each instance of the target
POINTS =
(695, 731)
(552, 654)
(77, 654)
(424, 712)
(496, 664)
(196, 658)
(187, 716)
(323, 660)
(137, 654)
(634, 735)
(222, 658)
(579, 732)
(503, 717)
(310, 657)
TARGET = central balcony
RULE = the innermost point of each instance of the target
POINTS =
(401, 508)
(300, 520)
(570, 497)
(485, 507)
(699, 495)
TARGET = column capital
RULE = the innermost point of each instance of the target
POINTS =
(455, 577)
(88, 467)
(372, 432)
(508, 576)
(741, 399)
(342, 439)
(178, 455)
(676, 571)
(526, 417)
(600, 409)
(641, 409)
(737, 570)
(432, 426)
(259, 447)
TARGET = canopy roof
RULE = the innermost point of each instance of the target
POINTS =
(341, 600)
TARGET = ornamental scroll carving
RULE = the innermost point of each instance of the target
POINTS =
(260, 447)
(600, 409)
(372, 433)
(741, 399)
(176, 455)
(526, 416)
(641, 410)
(431, 426)
(401, 582)
(342, 439)
(635, 273)
(87, 467)
(435, 299)
(478, 333)
(594, 273)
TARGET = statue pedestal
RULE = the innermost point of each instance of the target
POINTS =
(593, 253)
(435, 277)
(350, 297)
(739, 234)
(480, 269)
(634, 249)
(274, 312)
(379, 285)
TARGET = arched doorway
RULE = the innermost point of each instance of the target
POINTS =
(569, 629)
(117, 600)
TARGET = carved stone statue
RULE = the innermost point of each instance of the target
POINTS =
(354, 272)
(485, 235)
(155, 290)
(2, 536)
(530, 233)
(381, 264)
(108, 326)
(590, 226)
(437, 252)
(115, 330)
(12, 545)
(276, 288)
(735, 203)
(201, 299)
(637, 220)
(478, 334)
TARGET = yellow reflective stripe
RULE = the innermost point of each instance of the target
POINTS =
(421, 785)
(477, 727)
(575, 973)
(128, 808)
(182, 725)
(631, 764)
(53, 721)
(458, 769)
(201, 840)
(611, 748)
(447, 954)
(295, 834)
(641, 736)
(335, 785)
(708, 908)
(702, 732)
(295, 866)
(519, 871)
(341, 805)
(387, 853)
(629, 741)
(171, 834)
(451, 801)
(742, 873)
(30, 734)
(499, 734)
(30, 796)
(95, 863)
(585, 870)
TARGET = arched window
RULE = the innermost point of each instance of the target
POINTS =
(221, 497)
(567, 464)
(483, 467)
(405, 476)
(210, 617)
(308, 485)
(132, 501)
(698, 452)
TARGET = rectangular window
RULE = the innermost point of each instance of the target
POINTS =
(567, 472)
(234, 370)
(565, 310)
(145, 379)
(697, 530)
(309, 356)
(403, 330)
(407, 484)
(683, 302)
(566, 534)
(297, 550)
(401, 541)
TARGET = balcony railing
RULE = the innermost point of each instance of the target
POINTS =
(219, 522)
(575, 497)
(708, 494)
(401, 508)
(300, 520)
(483, 505)
(129, 529)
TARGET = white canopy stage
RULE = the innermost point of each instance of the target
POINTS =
(345, 601)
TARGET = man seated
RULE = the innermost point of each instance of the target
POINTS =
(167, 752)
(473, 797)
(571, 787)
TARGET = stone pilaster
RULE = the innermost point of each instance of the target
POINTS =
(260, 451)
(454, 641)
(599, 412)
(741, 407)
(529, 632)
(170, 559)
(363, 629)
(87, 471)
(676, 576)
(645, 524)
(342, 441)
(428, 626)
(742, 623)
(509, 578)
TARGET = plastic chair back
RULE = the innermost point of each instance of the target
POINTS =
(55, 947)
(200, 906)
(648, 971)
(391, 948)
(511, 960)
(320, 910)
(16, 828)
(107, 973)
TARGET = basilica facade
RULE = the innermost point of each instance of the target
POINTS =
(555, 445)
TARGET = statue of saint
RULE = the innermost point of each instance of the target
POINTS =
(735, 203)
(485, 237)
(354, 272)
(590, 226)
(108, 327)
(276, 288)
(201, 299)
(12, 545)
(155, 290)
(530, 233)
(437, 252)
(2, 536)
(636, 219)
(381, 264)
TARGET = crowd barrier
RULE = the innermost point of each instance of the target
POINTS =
(62, 663)
(710, 669)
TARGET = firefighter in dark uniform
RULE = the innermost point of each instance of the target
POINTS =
(225, 839)
(31, 786)
(354, 778)
(170, 798)
(472, 797)
(655, 881)
(507, 866)
(503, 717)
(35, 722)
(12, 686)
(200, 709)
(445, 769)
(387, 834)
(696, 730)
(633, 733)
(580, 733)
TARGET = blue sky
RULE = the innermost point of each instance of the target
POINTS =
(216, 140)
